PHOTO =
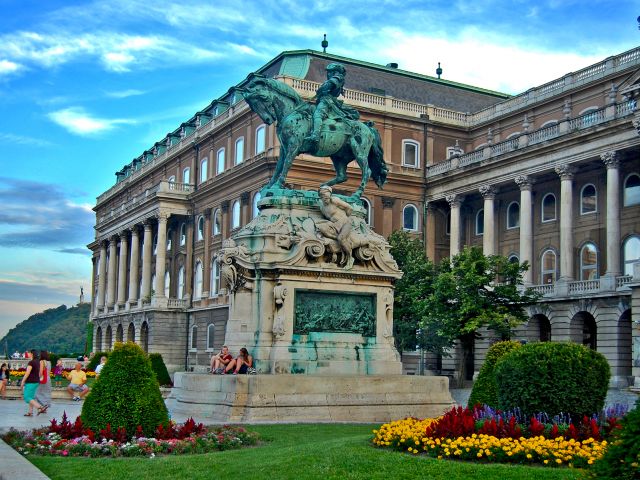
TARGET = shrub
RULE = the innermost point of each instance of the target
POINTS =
(621, 460)
(485, 390)
(554, 378)
(160, 369)
(95, 360)
(126, 394)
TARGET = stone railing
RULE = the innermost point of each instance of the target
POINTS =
(582, 287)
(531, 138)
(623, 280)
(545, 290)
(177, 303)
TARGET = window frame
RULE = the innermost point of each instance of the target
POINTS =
(193, 330)
(198, 280)
(479, 216)
(416, 144)
(236, 221)
(511, 204)
(167, 283)
(415, 218)
(629, 261)
(211, 335)
(369, 211)
(200, 229)
(624, 190)
(181, 283)
(183, 234)
(204, 169)
(254, 204)
(220, 157)
(262, 128)
(214, 288)
(544, 271)
(216, 227)
(238, 162)
(555, 208)
(595, 203)
(186, 174)
(590, 267)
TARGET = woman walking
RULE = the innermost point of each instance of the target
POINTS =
(43, 394)
(4, 379)
(30, 383)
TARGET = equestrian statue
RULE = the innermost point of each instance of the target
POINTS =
(331, 129)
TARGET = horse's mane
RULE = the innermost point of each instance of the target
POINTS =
(283, 89)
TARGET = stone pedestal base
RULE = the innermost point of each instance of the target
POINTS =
(308, 398)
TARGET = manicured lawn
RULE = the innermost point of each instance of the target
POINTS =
(293, 452)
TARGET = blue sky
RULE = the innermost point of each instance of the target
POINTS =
(87, 86)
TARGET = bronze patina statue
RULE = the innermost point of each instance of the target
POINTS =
(331, 130)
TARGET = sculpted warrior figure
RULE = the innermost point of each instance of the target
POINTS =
(328, 103)
(338, 213)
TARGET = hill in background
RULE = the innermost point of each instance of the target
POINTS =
(59, 330)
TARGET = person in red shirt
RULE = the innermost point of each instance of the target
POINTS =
(220, 361)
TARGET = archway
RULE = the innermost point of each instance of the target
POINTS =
(539, 328)
(98, 339)
(119, 333)
(131, 333)
(583, 329)
(625, 344)
(108, 338)
(144, 336)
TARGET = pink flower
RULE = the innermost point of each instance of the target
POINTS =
(65, 453)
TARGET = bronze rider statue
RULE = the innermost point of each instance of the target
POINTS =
(328, 104)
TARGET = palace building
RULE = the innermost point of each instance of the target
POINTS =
(551, 177)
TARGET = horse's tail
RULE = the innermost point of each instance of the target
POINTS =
(377, 164)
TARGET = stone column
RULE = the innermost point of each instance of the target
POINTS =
(206, 268)
(133, 266)
(526, 225)
(387, 215)
(102, 274)
(245, 208)
(188, 263)
(431, 232)
(111, 280)
(122, 268)
(566, 173)
(147, 246)
(455, 201)
(488, 192)
(612, 162)
(161, 255)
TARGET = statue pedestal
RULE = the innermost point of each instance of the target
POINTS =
(294, 306)
(320, 330)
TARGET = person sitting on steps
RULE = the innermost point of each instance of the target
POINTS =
(221, 361)
(242, 364)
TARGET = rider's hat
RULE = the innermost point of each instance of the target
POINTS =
(336, 67)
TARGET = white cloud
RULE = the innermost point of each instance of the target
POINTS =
(76, 120)
(24, 140)
(7, 67)
(131, 92)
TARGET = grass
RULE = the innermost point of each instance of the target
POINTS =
(294, 452)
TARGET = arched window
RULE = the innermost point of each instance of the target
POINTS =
(217, 228)
(632, 190)
(548, 207)
(410, 218)
(119, 333)
(200, 236)
(197, 291)
(186, 175)
(513, 215)
(220, 161)
(171, 179)
(513, 258)
(260, 139)
(367, 210)
(131, 333)
(169, 236)
(180, 283)
(235, 215)
(204, 170)
(167, 284)
(255, 211)
(183, 235)
(193, 338)
(215, 278)
(239, 150)
(211, 330)
(588, 199)
(630, 253)
(108, 338)
(144, 336)
(480, 222)
(588, 262)
(410, 153)
(98, 339)
(548, 264)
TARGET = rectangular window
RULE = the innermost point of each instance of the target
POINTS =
(220, 162)
(410, 152)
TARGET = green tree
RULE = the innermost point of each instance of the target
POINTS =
(472, 291)
(411, 290)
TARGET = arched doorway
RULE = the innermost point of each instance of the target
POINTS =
(108, 338)
(584, 330)
(539, 328)
(131, 333)
(625, 344)
(144, 336)
(119, 333)
(98, 339)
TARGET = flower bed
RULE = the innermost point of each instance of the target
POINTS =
(483, 434)
(68, 439)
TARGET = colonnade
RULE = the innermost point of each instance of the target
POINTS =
(566, 174)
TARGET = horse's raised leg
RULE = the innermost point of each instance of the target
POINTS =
(285, 161)
(340, 167)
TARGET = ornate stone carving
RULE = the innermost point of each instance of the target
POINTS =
(454, 200)
(279, 294)
(224, 206)
(636, 123)
(566, 171)
(245, 198)
(488, 191)
(610, 159)
(230, 275)
(524, 182)
(335, 312)
(388, 202)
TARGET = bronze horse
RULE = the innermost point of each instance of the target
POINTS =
(341, 138)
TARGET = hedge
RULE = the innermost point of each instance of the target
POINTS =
(485, 389)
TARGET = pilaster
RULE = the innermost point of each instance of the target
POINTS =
(489, 193)
(611, 161)
(525, 184)
(455, 201)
